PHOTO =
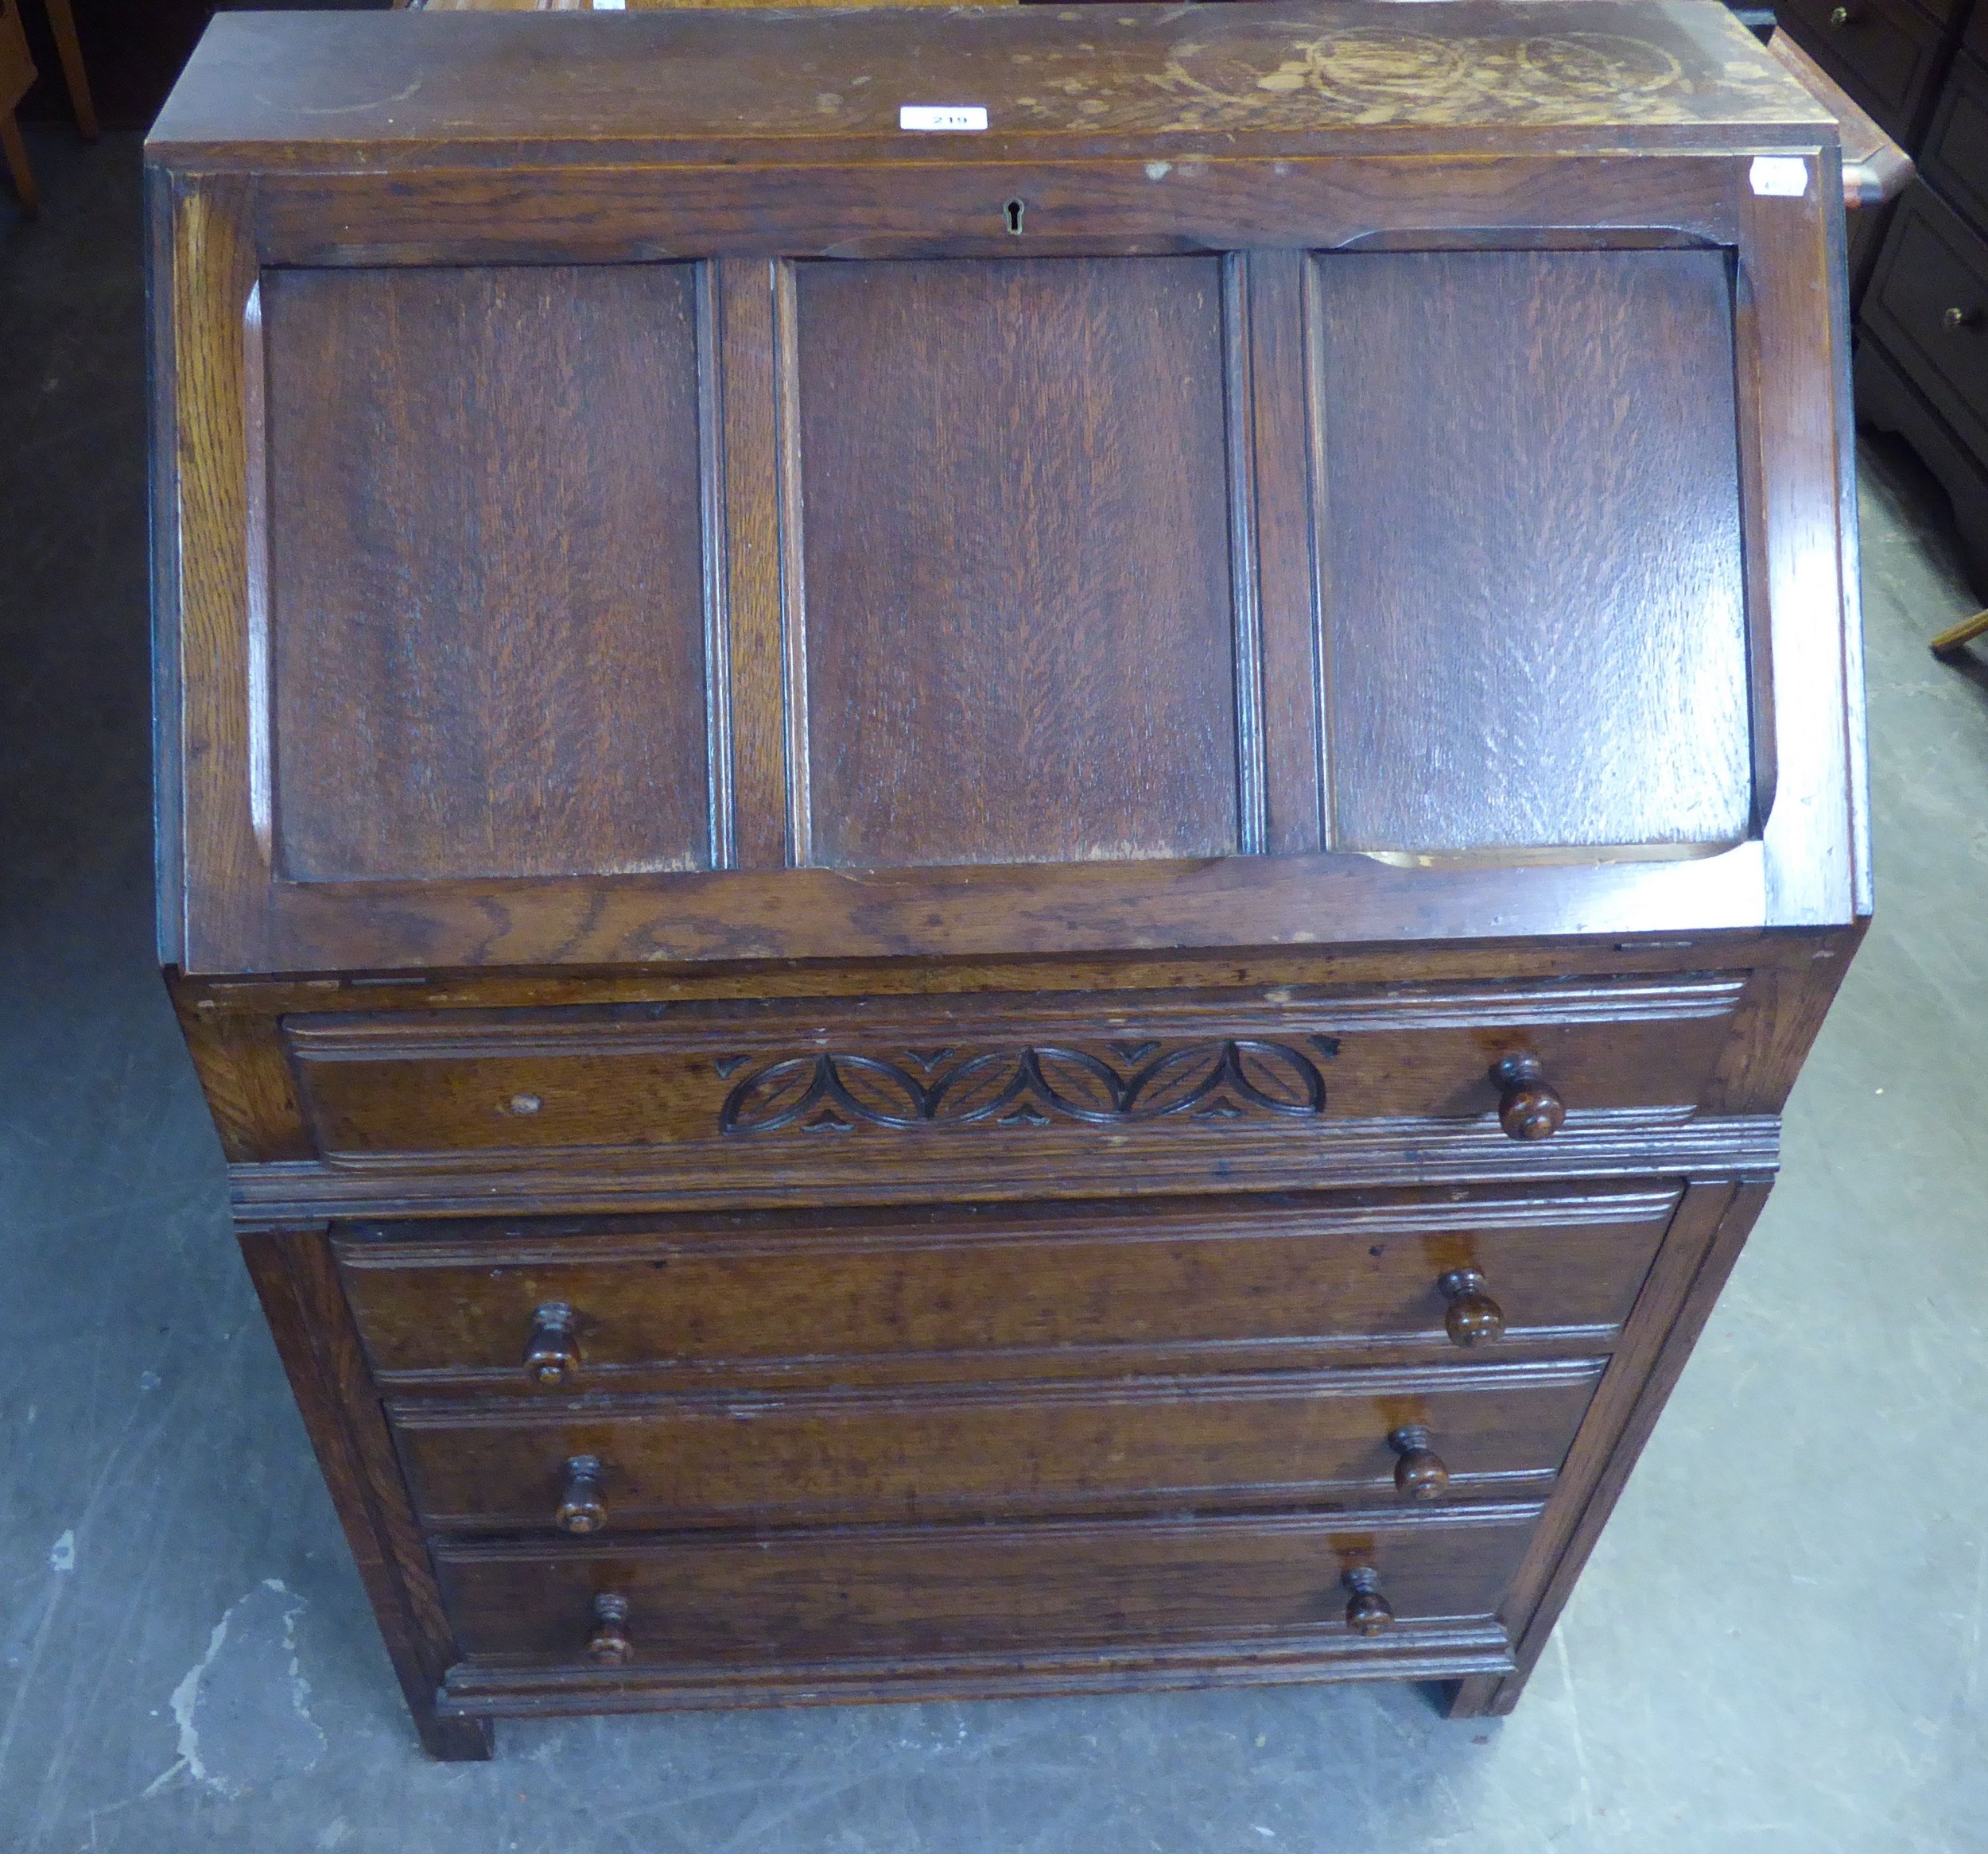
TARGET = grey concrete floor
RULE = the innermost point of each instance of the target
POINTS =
(1779, 1645)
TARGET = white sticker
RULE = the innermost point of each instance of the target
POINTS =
(1779, 176)
(611, 6)
(943, 118)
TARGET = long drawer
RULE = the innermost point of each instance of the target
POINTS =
(556, 1310)
(896, 1593)
(1237, 1440)
(991, 1090)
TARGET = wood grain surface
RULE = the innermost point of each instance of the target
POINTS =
(1534, 595)
(735, 1092)
(1237, 1440)
(1000, 1291)
(313, 1330)
(1021, 643)
(487, 580)
(413, 84)
(895, 798)
(881, 1594)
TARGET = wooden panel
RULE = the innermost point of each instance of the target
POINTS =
(1020, 623)
(895, 1593)
(1282, 405)
(744, 558)
(988, 1076)
(1535, 599)
(1102, 1287)
(201, 539)
(1802, 497)
(1956, 156)
(1084, 206)
(1238, 1439)
(296, 1282)
(486, 597)
(1711, 1228)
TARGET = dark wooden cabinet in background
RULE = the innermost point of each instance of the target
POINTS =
(1922, 295)
(1922, 357)
(1008, 911)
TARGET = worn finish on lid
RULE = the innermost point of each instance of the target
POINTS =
(1240, 78)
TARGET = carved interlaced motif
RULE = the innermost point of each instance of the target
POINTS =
(1108, 1084)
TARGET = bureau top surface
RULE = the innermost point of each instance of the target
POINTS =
(278, 90)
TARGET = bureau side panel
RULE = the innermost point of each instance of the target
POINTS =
(298, 1283)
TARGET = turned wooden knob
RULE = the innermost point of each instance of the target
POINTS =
(551, 1354)
(608, 1645)
(1527, 1109)
(1420, 1474)
(1367, 1610)
(581, 1509)
(1471, 1315)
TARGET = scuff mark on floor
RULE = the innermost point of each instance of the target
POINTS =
(244, 1709)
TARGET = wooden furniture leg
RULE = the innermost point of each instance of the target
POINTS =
(17, 74)
(62, 23)
(18, 171)
(1949, 642)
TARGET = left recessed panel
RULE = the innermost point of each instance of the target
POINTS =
(487, 636)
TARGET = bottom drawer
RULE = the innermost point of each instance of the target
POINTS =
(898, 1594)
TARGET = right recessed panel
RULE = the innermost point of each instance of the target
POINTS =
(1531, 551)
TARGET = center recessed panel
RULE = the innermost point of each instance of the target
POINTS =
(1019, 625)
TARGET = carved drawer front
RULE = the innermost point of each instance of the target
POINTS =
(928, 1595)
(557, 1311)
(916, 1094)
(941, 1451)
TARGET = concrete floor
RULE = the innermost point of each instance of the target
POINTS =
(1778, 1646)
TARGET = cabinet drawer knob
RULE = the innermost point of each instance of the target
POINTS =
(1367, 1610)
(1471, 1315)
(1527, 1108)
(1958, 321)
(1420, 1473)
(1841, 17)
(581, 1509)
(608, 1645)
(551, 1354)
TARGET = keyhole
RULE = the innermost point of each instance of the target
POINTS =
(1013, 209)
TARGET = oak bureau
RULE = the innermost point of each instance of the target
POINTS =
(996, 910)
